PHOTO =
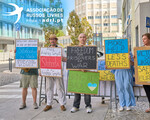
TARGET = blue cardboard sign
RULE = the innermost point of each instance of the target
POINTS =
(101, 65)
(143, 57)
(116, 46)
(148, 22)
(26, 53)
(117, 54)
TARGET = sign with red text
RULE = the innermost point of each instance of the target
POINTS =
(50, 62)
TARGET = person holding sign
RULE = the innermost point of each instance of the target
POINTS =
(59, 82)
(29, 77)
(77, 98)
(146, 42)
(26, 54)
(124, 83)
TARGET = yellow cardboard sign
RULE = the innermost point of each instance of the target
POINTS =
(106, 75)
(119, 60)
(144, 73)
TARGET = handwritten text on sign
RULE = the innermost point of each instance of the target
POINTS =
(83, 82)
(105, 75)
(117, 54)
(50, 62)
(81, 57)
(26, 53)
(143, 60)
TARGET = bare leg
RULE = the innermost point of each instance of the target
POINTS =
(34, 94)
(24, 95)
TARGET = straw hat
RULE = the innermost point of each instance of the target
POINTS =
(53, 36)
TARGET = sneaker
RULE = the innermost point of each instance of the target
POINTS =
(35, 106)
(128, 109)
(22, 106)
(88, 109)
(48, 107)
(62, 107)
(121, 109)
(74, 109)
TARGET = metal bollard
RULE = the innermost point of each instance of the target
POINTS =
(10, 64)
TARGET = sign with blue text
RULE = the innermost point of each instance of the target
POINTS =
(26, 53)
(142, 65)
(148, 22)
(117, 54)
(104, 75)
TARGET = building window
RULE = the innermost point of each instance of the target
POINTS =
(90, 17)
(114, 16)
(98, 17)
(106, 24)
(105, 17)
(0, 28)
(114, 24)
(99, 24)
(10, 30)
(5, 30)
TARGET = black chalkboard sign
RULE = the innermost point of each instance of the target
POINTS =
(81, 57)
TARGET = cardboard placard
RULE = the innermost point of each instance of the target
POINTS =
(26, 53)
(105, 75)
(83, 82)
(117, 54)
(142, 65)
(81, 57)
(50, 62)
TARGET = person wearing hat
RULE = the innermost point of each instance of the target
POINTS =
(59, 82)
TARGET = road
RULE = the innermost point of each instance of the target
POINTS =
(5, 66)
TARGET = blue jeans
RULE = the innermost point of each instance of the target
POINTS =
(77, 99)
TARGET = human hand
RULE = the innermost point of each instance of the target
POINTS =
(84, 70)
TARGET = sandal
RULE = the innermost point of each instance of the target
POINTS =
(147, 110)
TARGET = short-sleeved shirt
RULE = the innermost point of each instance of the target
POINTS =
(32, 71)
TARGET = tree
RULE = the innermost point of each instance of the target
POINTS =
(53, 27)
(87, 29)
(74, 27)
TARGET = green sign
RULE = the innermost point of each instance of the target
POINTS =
(83, 82)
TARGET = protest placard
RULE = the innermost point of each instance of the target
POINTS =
(83, 82)
(105, 75)
(50, 62)
(117, 54)
(142, 65)
(26, 53)
(81, 57)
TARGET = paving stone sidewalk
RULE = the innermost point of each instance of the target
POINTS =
(137, 113)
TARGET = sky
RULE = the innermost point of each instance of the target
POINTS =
(68, 6)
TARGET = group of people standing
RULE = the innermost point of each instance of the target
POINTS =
(124, 82)
(29, 77)
(123, 79)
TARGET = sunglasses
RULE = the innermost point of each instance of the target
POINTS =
(52, 39)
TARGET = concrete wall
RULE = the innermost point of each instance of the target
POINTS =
(141, 12)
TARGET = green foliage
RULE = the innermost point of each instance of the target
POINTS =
(74, 27)
(1, 50)
(87, 29)
(52, 28)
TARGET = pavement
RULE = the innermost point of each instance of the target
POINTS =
(10, 100)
